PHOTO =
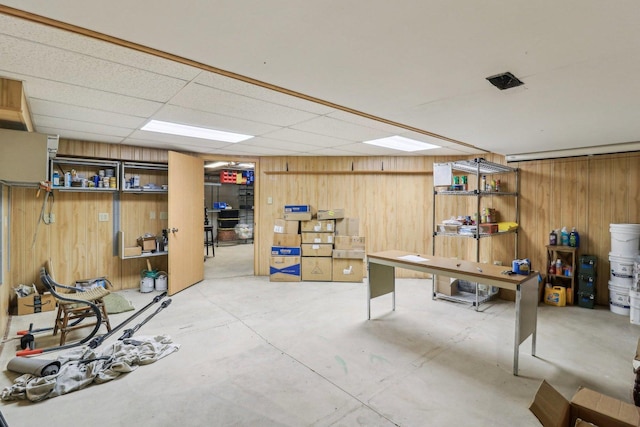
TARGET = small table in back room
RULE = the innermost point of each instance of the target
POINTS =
(381, 281)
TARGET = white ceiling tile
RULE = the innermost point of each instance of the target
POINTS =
(176, 114)
(337, 128)
(215, 101)
(74, 42)
(263, 142)
(63, 93)
(298, 136)
(239, 87)
(78, 126)
(39, 107)
(78, 135)
(37, 60)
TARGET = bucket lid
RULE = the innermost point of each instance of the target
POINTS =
(150, 273)
(619, 257)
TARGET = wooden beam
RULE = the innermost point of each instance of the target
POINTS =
(14, 112)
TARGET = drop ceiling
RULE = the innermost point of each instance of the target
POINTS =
(318, 78)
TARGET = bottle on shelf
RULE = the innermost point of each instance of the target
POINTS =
(483, 186)
(559, 267)
(564, 236)
(553, 238)
(574, 238)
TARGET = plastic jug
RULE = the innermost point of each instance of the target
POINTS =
(564, 236)
(555, 295)
(574, 238)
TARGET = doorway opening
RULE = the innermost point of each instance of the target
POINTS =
(229, 218)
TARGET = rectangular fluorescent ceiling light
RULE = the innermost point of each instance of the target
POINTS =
(216, 165)
(194, 131)
(401, 143)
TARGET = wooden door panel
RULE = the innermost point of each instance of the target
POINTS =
(186, 221)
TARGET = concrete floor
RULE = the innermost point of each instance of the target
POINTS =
(257, 353)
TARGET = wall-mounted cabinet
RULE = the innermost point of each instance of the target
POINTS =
(144, 177)
(77, 174)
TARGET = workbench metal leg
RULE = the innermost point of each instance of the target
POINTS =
(381, 281)
(526, 317)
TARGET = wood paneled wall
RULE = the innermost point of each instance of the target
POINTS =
(78, 245)
(5, 288)
(586, 192)
(393, 205)
(395, 210)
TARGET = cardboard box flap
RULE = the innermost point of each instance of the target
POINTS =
(550, 407)
(603, 410)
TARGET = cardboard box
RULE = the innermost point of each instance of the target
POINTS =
(446, 285)
(35, 303)
(283, 226)
(298, 208)
(286, 239)
(297, 216)
(552, 409)
(316, 249)
(147, 243)
(488, 228)
(309, 237)
(348, 254)
(285, 251)
(636, 360)
(347, 270)
(284, 269)
(330, 214)
(347, 227)
(318, 269)
(133, 251)
(318, 225)
(349, 242)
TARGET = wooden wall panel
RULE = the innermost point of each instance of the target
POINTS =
(394, 210)
(587, 192)
(5, 283)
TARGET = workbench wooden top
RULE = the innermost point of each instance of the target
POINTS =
(454, 267)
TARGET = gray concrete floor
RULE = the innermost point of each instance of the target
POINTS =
(257, 353)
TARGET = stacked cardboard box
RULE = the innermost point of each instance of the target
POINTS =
(317, 248)
(284, 264)
(320, 246)
(349, 251)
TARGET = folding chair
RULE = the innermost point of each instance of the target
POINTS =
(75, 305)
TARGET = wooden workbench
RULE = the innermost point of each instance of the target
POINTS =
(381, 281)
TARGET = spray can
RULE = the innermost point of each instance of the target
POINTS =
(67, 179)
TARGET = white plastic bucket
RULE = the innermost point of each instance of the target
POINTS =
(619, 300)
(621, 270)
(146, 284)
(161, 282)
(635, 283)
(625, 239)
(634, 303)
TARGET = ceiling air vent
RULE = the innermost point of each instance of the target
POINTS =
(505, 81)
